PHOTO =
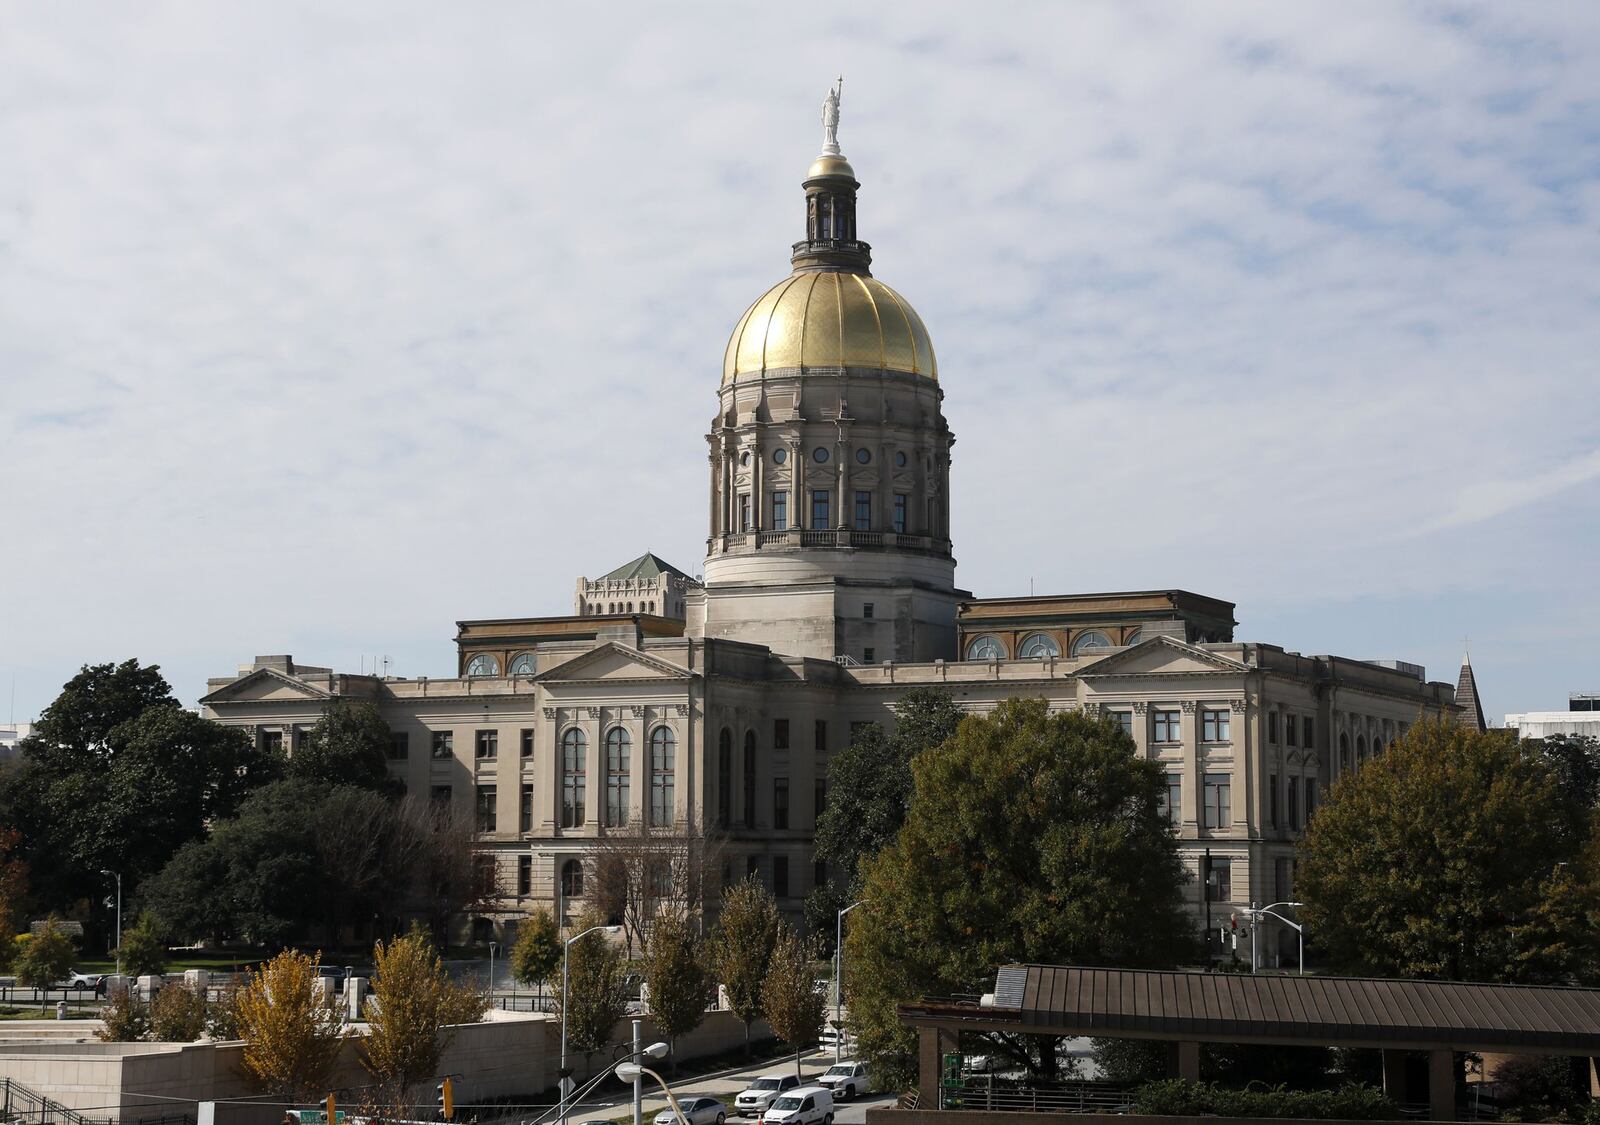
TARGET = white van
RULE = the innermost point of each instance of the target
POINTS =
(806, 1105)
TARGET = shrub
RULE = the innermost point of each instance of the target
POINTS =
(178, 1014)
(1175, 1097)
(126, 1017)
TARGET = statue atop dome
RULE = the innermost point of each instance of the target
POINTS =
(830, 119)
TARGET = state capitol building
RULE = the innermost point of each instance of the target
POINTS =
(829, 590)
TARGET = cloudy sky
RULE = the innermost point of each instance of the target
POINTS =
(323, 326)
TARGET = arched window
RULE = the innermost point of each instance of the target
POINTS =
(1038, 646)
(1086, 642)
(573, 746)
(750, 779)
(617, 744)
(725, 778)
(1361, 749)
(522, 665)
(483, 665)
(1344, 751)
(986, 648)
(1133, 637)
(571, 879)
(663, 751)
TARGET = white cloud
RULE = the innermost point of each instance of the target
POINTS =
(322, 328)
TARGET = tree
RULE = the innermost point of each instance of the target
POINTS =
(640, 871)
(144, 949)
(13, 889)
(348, 746)
(746, 936)
(678, 975)
(537, 952)
(596, 972)
(789, 995)
(1482, 894)
(179, 1013)
(124, 1018)
(414, 1005)
(869, 791)
(1575, 759)
(1031, 837)
(45, 959)
(291, 1032)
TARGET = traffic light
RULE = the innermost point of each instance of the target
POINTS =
(447, 1099)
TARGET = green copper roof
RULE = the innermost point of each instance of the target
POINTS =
(645, 566)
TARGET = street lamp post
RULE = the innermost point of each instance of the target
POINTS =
(838, 980)
(566, 1002)
(630, 1071)
(1255, 912)
(492, 948)
(117, 875)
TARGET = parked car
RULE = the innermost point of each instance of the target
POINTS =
(753, 1102)
(845, 1080)
(696, 1111)
(87, 980)
(804, 1105)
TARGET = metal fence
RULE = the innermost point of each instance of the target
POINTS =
(20, 1105)
(1066, 1097)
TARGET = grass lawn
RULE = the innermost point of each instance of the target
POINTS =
(223, 961)
(32, 1012)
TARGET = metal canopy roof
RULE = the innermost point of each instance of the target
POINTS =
(1313, 1010)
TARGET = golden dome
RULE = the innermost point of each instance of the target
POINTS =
(826, 318)
(830, 165)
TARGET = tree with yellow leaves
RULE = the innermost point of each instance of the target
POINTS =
(291, 1030)
(413, 1006)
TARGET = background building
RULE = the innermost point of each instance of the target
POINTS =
(1582, 717)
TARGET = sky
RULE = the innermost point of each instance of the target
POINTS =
(323, 327)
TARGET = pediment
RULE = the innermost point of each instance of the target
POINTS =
(266, 686)
(1161, 656)
(612, 661)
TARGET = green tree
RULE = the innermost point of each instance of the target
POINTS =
(348, 746)
(596, 971)
(537, 952)
(1482, 894)
(144, 948)
(789, 994)
(13, 890)
(746, 936)
(291, 1032)
(869, 791)
(678, 975)
(414, 1006)
(45, 959)
(179, 1013)
(124, 1018)
(1031, 837)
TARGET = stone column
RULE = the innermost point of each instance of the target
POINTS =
(1442, 1084)
(797, 486)
(711, 500)
(638, 729)
(842, 456)
(727, 489)
(1194, 773)
(1394, 1074)
(1183, 1060)
(932, 1043)
(757, 485)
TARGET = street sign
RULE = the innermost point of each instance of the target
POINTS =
(567, 1086)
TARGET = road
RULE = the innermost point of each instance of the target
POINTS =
(725, 1084)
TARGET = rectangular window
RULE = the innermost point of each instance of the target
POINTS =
(1294, 802)
(486, 810)
(444, 744)
(440, 795)
(819, 797)
(1311, 798)
(780, 734)
(527, 744)
(1308, 732)
(863, 511)
(1272, 727)
(819, 509)
(272, 741)
(1169, 725)
(302, 737)
(780, 511)
(1219, 800)
(399, 745)
(780, 876)
(744, 511)
(1290, 729)
(1219, 881)
(900, 513)
(1281, 888)
(819, 874)
(1172, 803)
(821, 743)
(869, 656)
(1123, 719)
(867, 610)
(525, 810)
(752, 867)
(1214, 725)
(1272, 799)
(524, 875)
(780, 802)
(488, 744)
